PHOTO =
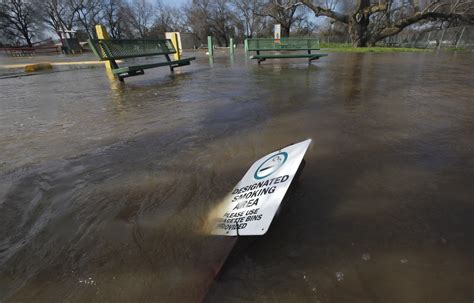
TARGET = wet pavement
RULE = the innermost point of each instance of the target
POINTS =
(105, 188)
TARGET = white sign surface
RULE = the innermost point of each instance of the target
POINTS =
(277, 31)
(252, 204)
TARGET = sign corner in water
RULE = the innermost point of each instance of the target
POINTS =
(254, 201)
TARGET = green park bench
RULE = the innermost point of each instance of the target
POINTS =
(114, 49)
(285, 45)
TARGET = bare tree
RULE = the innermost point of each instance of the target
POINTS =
(371, 21)
(284, 12)
(304, 26)
(223, 21)
(18, 20)
(179, 21)
(166, 19)
(58, 15)
(248, 10)
(116, 18)
(141, 13)
(213, 17)
(197, 17)
(89, 13)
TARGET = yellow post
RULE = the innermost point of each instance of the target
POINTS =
(102, 34)
(175, 40)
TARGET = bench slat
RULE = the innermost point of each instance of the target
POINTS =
(270, 44)
(135, 68)
(113, 49)
(276, 56)
(284, 49)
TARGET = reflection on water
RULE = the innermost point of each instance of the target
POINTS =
(105, 187)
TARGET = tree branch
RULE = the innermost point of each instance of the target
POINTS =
(375, 8)
(320, 11)
(401, 24)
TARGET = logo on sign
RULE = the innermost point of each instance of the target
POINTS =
(270, 165)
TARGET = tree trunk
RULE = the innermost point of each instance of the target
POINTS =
(285, 31)
(359, 24)
(359, 32)
(28, 39)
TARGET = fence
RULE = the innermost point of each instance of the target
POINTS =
(453, 37)
(43, 47)
(30, 51)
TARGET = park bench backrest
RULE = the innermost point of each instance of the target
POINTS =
(111, 49)
(269, 44)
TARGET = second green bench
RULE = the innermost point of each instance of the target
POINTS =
(286, 45)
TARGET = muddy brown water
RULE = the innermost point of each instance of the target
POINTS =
(105, 188)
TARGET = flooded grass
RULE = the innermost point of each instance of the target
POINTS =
(346, 47)
(106, 188)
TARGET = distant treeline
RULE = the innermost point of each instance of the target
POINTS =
(364, 22)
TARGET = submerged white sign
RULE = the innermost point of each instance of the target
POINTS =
(252, 204)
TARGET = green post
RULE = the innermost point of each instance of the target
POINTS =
(231, 46)
(210, 47)
(246, 45)
(211, 61)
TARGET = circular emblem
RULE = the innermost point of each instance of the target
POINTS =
(271, 165)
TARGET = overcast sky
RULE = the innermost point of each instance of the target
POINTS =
(174, 2)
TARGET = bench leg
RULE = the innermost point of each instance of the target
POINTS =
(169, 60)
(261, 60)
(114, 65)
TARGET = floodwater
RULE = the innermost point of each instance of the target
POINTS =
(105, 188)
